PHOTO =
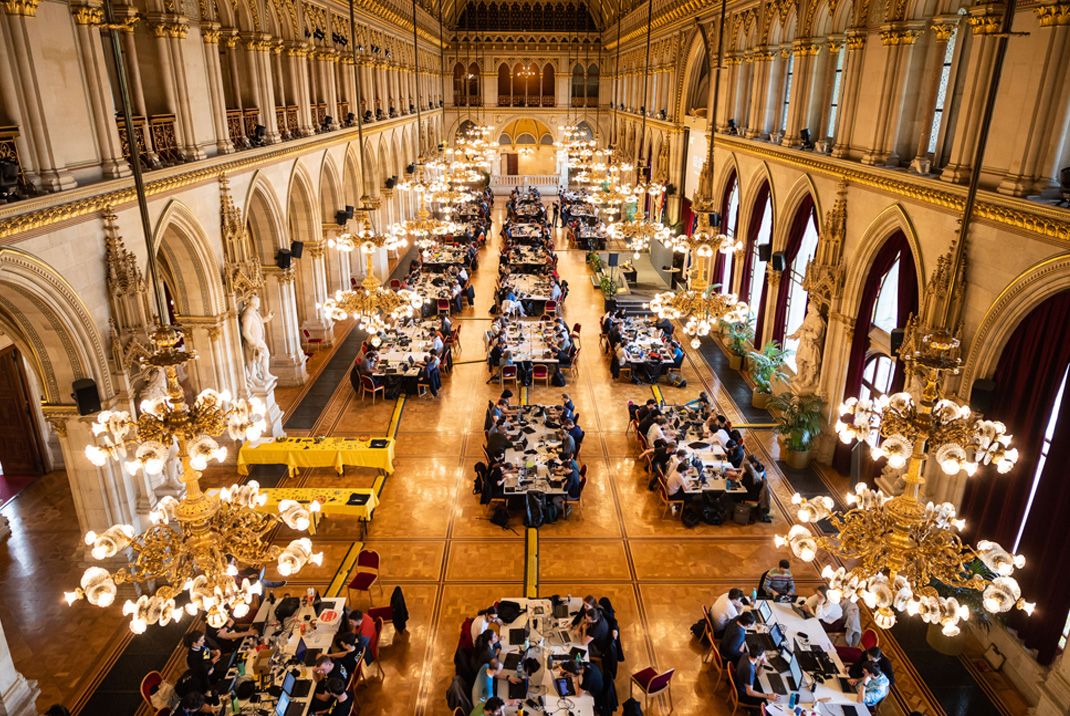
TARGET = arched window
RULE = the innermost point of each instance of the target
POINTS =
(592, 86)
(877, 377)
(458, 84)
(757, 266)
(728, 226)
(549, 92)
(578, 88)
(886, 308)
(837, 84)
(797, 297)
(474, 78)
(788, 71)
(941, 94)
(505, 85)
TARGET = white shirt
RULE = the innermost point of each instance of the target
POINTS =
(827, 612)
(722, 436)
(479, 625)
(462, 276)
(655, 433)
(556, 292)
(675, 484)
(722, 612)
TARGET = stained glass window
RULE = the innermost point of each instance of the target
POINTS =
(796, 293)
(837, 81)
(941, 95)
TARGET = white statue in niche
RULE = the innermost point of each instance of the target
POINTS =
(254, 339)
(811, 337)
(156, 389)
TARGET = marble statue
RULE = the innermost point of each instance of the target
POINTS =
(811, 337)
(156, 388)
(254, 339)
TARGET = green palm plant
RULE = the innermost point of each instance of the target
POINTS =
(800, 420)
(767, 366)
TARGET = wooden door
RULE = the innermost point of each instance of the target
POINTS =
(513, 163)
(20, 453)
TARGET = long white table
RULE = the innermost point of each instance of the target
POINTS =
(542, 646)
(532, 468)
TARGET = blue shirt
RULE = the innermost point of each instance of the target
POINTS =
(875, 690)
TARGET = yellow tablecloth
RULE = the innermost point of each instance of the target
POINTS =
(303, 452)
(333, 501)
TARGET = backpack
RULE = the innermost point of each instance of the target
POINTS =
(477, 485)
(534, 512)
(690, 517)
(698, 630)
(509, 611)
(500, 517)
(714, 514)
(741, 513)
(558, 379)
(287, 607)
(677, 380)
(550, 513)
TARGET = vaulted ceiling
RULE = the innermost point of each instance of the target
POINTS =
(528, 15)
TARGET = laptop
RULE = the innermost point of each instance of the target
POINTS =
(517, 636)
(287, 686)
(285, 708)
(512, 660)
(516, 691)
(770, 641)
(765, 612)
(304, 655)
(845, 685)
(564, 687)
(560, 608)
(800, 611)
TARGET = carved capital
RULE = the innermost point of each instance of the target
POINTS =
(1054, 14)
(315, 249)
(26, 8)
(805, 48)
(210, 35)
(856, 39)
(59, 424)
(986, 19)
(175, 30)
(893, 37)
(87, 15)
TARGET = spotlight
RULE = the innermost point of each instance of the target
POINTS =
(259, 135)
(319, 34)
(732, 129)
(327, 122)
(350, 119)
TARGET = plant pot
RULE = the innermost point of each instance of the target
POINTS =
(759, 399)
(735, 362)
(798, 459)
(948, 645)
(609, 304)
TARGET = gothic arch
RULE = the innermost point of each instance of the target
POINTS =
(51, 326)
(1032, 287)
(758, 177)
(696, 75)
(265, 218)
(729, 165)
(352, 181)
(331, 195)
(889, 221)
(803, 187)
(189, 261)
(301, 202)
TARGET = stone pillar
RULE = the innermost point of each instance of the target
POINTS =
(772, 291)
(727, 110)
(112, 163)
(17, 694)
(258, 57)
(852, 75)
(1033, 164)
(801, 83)
(900, 39)
(330, 84)
(171, 31)
(133, 75)
(986, 23)
(759, 101)
(216, 99)
(284, 335)
(777, 85)
(297, 57)
(942, 32)
(316, 291)
(41, 165)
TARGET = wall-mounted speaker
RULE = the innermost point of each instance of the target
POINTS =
(349, 211)
(897, 337)
(297, 248)
(86, 396)
(764, 252)
(715, 219)
(390, 182)
(340, 218)
(283, 258)
(779, 261)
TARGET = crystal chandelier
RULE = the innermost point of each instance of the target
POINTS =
(904, 548)
(526, 72)
(639, 231)
(376, 309)
(700, 308)
(425, 230)
(188, 545)
(366, 239)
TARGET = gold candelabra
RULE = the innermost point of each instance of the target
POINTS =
(376, 309)
(366, 238)
(188, 546)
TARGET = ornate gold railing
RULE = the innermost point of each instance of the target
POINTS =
(251, 118)
(343, 112)
(319, 113)
(9, 152)
(164, 140)
(280, 121)
(139, 133)
(291, 120)
(234, 127)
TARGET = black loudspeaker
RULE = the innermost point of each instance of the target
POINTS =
(897, 336)
(410, 168)
(715, 219)
(390, 182)
(283, 258)
(86, 395)
(297, 248)
(349, 211)
(340, 218)
(764, 252)
(613, 260)
(779, 261)
(981, 395)
(328, 121)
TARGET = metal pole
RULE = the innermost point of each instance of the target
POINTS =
(135, 161)
(416, 61)
(616, 78)
(716, 99)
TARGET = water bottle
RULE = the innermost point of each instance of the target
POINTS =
(754, 597)
(234, 709)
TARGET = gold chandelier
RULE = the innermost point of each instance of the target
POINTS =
(639, 231)
(526, 72)
(188, 545)
(905, 549)
(425, 230)
(366, 238)
(376, 309)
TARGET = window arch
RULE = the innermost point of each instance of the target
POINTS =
(458, 84)
(877, 377)
(837, 88)
(505, 85)
(474, 85)
(592, 86)
(759, 231)
(724, 264)
(797, 298)
(549, 91)
(578, 88)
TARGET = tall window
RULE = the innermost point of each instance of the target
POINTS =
(886, 307)
(757, 266)
(787, 94)
(877, 378)
(941, 95)
(728, 226)
(1045, 448)
(796, 292)
(837, 80)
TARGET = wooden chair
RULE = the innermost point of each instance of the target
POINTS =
(583, 486)
(550, 307)
(374, 646)
(625, 371)
(540, 372)
(708, 633)
(455, 337)
(395, 284)
(366, 574)
(367, 385)
(150, 681)
(459, 712)
(663, 495)
(497, 502)
(652, 684)
(508, 372)
(733, 695)
(576, 330)
(310, 341)
(718, 664)
(443, 306)
(574, 366)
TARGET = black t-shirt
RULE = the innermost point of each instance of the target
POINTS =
(599, 632)
(199, 657)
(592, 680)
(342, 708)
(744, 675)
(855, 672)
(733, 640)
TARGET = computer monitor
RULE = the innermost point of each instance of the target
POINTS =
(765, 612)
(795, 670)
(283, 704)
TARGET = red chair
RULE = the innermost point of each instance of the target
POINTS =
(550, 307)
(851, 654)
(583, 486)
(508, 373)
(395, 284)
(541, 372)
(374, 646)
(443, 305)
(151, 681)
(367, 574)
(310, 341)
(653, 684)
(367, 385)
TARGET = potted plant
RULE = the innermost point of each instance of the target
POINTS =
(739, 334)
(594, 261)
(767, 367)
(799, 422)
(609, 293)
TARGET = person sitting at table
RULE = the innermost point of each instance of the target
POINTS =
(483, 619)
(430, 368)
(734, 453)
(594, 632)
(874, 683)
(228, 637)
(752, 477)
(505, 359)
(199, 653)
(734, 642)
(568, 443)
(660, 455)
(369, 364)
(483, 688)
(494, 706)
(677, 355)
(193, 703)
(658, 431)
(702, 402)
(498, 441)
(675, 482)
(498, 471)
(778, 582)
(574, 430)
(620, 360)
(819, 606)
(748, 669)
(345, 652)
(457, 296)
(323, 668)
(487, 646)
(719, 433)
(364, 627)
(589, 602)
(872, 655)
(727, 607)
(639, 413)
(586, 676)
(193, 680)
(337, 701)
(568, 475)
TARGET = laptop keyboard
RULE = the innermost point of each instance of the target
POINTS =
(777, 684)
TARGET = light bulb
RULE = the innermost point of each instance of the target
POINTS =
(138, 626)
(71, 597)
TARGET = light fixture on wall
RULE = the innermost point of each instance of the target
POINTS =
(906, 553)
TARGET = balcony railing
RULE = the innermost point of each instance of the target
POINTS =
(9, 153)
(164, 140)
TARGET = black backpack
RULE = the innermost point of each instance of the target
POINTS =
(500, 517)
(534, 511)
(691, 517)
(558, 379)
(481, 472)
(287, 607)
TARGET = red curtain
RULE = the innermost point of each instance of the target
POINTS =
(895, 247)
(686, 216)
(1027, 380)
(795, 235)
(718, 263)
(752, 236)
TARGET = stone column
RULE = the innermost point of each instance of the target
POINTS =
(316, 291)
(730, 76)
(772, 291)
(852, 75)
(330, 86)
(217, 101)
(759, 101)
(775, 98)
(41, 165)
(297, 56)
(900, 39)
(258, 55)
(801, 83)
(112, 163)
(284, 335)
(986, 23)
(1033, 164)
(17, 694)
(942, 32)
(171, 31)
(127, 16)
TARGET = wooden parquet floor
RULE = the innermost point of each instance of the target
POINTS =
(435, 540)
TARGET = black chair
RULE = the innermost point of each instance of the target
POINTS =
(807, 143)
(1064, 186)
